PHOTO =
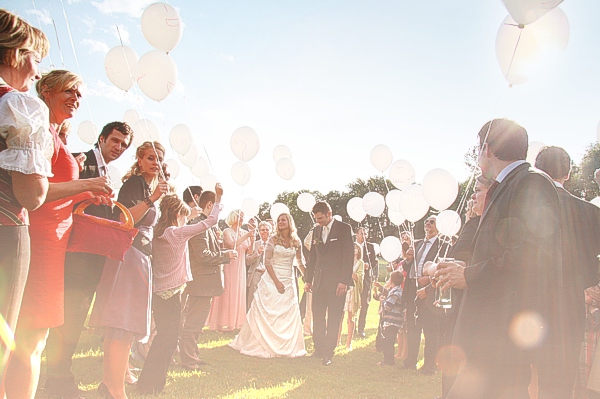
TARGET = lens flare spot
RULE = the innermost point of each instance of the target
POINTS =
(528, 330)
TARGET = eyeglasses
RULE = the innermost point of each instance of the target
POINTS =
(430, 221)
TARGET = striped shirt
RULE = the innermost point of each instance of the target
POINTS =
(170, 260)
(392, 308)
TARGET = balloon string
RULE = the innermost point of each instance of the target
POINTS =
(40, 25)
(87, 104)
(62, 60)
(513, 54)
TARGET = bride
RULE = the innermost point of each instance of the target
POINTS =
(273, 327)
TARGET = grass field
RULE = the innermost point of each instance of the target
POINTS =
(231, 375)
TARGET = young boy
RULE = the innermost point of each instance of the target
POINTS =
(392, 317)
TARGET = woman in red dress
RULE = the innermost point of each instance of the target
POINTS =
(50, 226)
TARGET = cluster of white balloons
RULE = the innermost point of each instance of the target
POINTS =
(408, 201)
(533, 33)
(155, 72)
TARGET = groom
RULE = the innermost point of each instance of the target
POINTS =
(328, 275)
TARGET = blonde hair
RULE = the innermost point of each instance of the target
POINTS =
(358, 247)
(139, 154)
(233, 217)
(17, 38)
(56, 81)
(171, 207)
(278, 238)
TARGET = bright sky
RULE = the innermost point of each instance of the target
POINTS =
(330, 80)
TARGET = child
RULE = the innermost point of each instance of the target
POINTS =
(353, 295)
(392, 317)
(171, 272)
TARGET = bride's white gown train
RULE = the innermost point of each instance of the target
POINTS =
(273, 327)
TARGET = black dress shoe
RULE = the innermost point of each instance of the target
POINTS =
(326, 361)
(362, 334)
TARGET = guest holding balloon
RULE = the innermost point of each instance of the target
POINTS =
(228, 311)
(171, 272)
(122, 305)
(353, 296)
(50, 227)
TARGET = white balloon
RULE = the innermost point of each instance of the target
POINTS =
(306, 201)
(373, 203)
(391, 248)
(131, 116)
(156, 75)
(396, 217)
(337, 217)
(181, 139)
(448, 223)
(200, 167)
(381, 157)
(244, 143)
(523, 51)
(355, 209)
(596, 201)
(533, 150)
(402, 174)
(145, 130)
(115, 177)
(281, 151)
(173, 167)
(392, 200)
(277, 209)
(529, 11)
(285, 168)
(120, 65)
(412, 203)
(190, 158)
(162, 26)
(88, 132)
(440, 188)
(208, 181)
(240, 173)
(249, 207)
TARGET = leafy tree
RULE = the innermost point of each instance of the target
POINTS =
(581, 183)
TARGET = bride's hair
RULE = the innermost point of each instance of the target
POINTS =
(278, 238)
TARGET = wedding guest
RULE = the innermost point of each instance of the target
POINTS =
(50, 227)
(171, 272)
(392, 317)
(206, 262)
(24, 161)
(191, 195)
(256, 261)
(82, 270)
(122, 306)
(371, 274)
(228, 311)
(353, 296)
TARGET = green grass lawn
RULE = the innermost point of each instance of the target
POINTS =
(353, 374)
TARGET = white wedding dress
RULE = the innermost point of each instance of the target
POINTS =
(273, 327)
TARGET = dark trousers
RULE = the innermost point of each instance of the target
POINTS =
(431, 325)
(328, 310)
(413, 326)
(195, 313)
(167, 316)
(493, 381)
(14, 267)
(388, 341)
(82, 274)
(365, 298)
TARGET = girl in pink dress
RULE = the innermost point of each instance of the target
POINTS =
(228, 311)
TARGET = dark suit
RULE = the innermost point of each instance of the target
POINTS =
(429, 318)
(580, 231)
(371, 275)
(514, 271)
(206, 263)
(82, 274)
(329, 264)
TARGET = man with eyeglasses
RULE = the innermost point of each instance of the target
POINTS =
(419, 296)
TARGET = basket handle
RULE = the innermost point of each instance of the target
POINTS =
(126, 225)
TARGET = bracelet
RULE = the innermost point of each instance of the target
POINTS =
(148, 202)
